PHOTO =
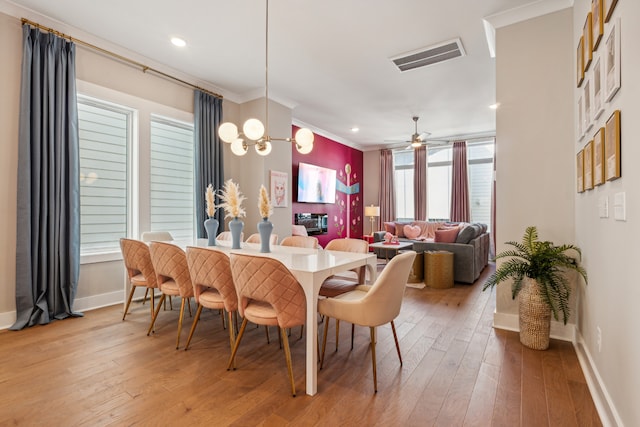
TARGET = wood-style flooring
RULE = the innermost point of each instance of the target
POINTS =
(457, 371)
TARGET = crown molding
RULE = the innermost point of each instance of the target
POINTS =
(519, 14)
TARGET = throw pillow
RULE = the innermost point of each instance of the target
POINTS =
(466, 234)
(446, 235)
(390, 227)
(412, 231)
(400, 229)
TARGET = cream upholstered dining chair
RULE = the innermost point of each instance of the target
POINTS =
(373, 307)
(337, 285)
(137, 261)
(212, 285)
(158, 236)
(255, 238)
(268, 294)
(300, 242)
(174, 279)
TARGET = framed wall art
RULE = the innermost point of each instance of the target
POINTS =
(612, 147)
(598, 157)
(587, 117)
(597, 23)
(597, 97)
(580, 61)
(588, 42)
(612, 61)
(580, 171)
(588, 166)
(607, 8)
(279, 189)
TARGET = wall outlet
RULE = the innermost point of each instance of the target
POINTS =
(599, 339)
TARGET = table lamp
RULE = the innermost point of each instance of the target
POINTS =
(372, 212)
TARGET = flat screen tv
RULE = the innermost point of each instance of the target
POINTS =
(316, 184)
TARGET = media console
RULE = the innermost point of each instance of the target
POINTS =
(315, 223)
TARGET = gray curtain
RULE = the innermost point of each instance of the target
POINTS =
(387, 187)
(420, 183)
(208, 155)
(460, 203)
(48, 225)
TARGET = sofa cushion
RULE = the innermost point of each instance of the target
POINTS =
(400, 229)
(466, 234)
(390, 227)
(446, 235)
(412, 231)
(477, 228)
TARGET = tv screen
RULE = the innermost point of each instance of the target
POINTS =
(316, 184)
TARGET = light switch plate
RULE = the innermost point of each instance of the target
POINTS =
(603, 207)
(619, 206)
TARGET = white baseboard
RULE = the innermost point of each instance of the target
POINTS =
(601, 397)
(80, 304)
(559, 330)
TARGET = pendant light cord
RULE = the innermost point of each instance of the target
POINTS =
(266, 70)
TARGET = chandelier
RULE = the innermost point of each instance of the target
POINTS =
(254, 130)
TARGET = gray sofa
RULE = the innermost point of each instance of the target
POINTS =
(469, 258)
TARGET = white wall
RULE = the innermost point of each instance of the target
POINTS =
(610, 301)
(534, 138)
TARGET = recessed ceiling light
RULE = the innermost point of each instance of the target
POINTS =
(355, 129)
(494, 106)
(177, 41)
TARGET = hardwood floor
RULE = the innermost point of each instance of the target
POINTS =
(457, 371)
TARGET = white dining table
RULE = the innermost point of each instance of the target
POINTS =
(310, 267)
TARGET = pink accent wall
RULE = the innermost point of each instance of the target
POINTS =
(346, 214)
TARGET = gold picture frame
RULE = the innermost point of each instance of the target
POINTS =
(597, 22)
(588, 166)
(580, 61)
(598, 158)
(588, 41)
(607, 8)
(612, 147)
(580, 171)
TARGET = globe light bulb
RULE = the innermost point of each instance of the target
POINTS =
(304, 137)
(263, 148)
(238, 147)
(253, 129)
(228, 132)
(304, 149)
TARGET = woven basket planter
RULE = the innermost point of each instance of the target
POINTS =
(535, 316)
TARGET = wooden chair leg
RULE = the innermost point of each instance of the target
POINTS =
(146, 292)
(353, 329)
(287, 354)
(395, 337)
(180, 320)
(266, 331)
(193, 326)
(337, 333)
(324, 339)
(373, 358)
(221, 313)
(155, 313)
(153, 301)
(232, 334)
(126, 307)
(232, 362)
(301, 332)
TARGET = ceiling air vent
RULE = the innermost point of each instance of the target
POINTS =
(429, 55)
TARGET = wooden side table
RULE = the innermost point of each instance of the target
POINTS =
(438, 269)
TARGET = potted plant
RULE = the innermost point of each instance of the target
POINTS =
(265, 227)
(232, 200)
(538, 270)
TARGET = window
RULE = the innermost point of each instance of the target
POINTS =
(172, 204)
(439, 161)
(403, 181)
(105, 135)
(439, 166)
(136, 170)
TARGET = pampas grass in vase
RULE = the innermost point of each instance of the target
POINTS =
(232, 200)
(265, 227)
(210, 224)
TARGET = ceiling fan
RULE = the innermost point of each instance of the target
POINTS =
(420, 139)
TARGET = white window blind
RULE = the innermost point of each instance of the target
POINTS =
(172, 176)
(105, 133)
(403, 182)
